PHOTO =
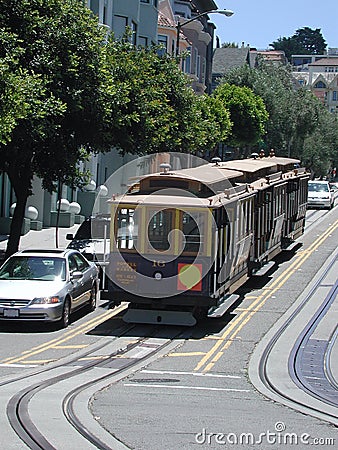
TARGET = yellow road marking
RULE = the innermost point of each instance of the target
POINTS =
(209, 359)
(52, 344)
(187, 354)
(70, 346)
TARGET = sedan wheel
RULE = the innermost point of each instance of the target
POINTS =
(64, 322)
(93, 299)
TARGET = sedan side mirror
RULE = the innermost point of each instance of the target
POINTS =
(69, 236)
(76, 275)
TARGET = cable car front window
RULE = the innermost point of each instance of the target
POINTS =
(127, 227)
(160, 225)
(192, 226)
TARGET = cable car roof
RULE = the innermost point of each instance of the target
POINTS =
(250, 165)
(207, 174)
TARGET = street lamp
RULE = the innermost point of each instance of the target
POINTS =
(225, 12)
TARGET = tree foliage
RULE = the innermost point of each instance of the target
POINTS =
(305, 41)
(293, 111)
(50, 52)
(156, 110)
(214, 120)
(68, 91)
(320, 148)
(299, 125)
(247, 113)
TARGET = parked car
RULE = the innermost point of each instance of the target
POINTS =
(92, 238)
(47, 285)
(334, 189)
(320, 195)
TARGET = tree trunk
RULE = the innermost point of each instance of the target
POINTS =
(22, 191)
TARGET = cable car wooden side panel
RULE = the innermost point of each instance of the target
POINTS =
(183, 241)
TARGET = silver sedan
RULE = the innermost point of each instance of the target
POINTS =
(47, 285)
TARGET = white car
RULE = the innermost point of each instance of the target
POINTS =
(47, 285)
(320, 195)
(334, 189)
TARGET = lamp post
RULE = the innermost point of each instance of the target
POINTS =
(225, 12)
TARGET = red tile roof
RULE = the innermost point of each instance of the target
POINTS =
(164, 21)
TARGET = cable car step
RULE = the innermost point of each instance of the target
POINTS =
(291, 247)
(224, 306)
(165, 317)
(264, 269)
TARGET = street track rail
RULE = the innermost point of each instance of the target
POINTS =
(320, 385)
(116, 363)
(17, 408)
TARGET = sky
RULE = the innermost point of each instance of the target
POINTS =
(260, 22)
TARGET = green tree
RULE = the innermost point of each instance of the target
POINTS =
(17, 87)
(305, 41)
(247, 114)
(293, 112)
(311, 40)
(53, 49)
(229, 45)
(213, 122)
(320, 148)
(157, 110)
(289, 45)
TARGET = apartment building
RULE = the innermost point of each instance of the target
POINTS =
(319, 73)
(140, 16)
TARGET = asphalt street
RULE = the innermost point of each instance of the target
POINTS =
(202, 393)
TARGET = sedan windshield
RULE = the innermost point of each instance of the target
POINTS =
(33, 268)
(318, 187)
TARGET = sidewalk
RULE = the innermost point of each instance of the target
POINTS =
(46, 238)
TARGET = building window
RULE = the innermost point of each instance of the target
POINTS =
(163, 41)
(187, 62)
(154, 2)
(120, 25)
(196, 61)
(320, 85)
(334, 96)
(198, 67)
(134, 32)
(95, 6)
(98, 174)
(203, 70)
(143, 41)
